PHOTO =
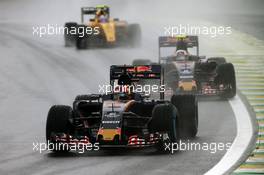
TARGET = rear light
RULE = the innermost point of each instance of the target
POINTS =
(118, 131)
(101, 131)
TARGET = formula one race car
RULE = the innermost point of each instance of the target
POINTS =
(123, 118)
(191, 73)
(101, 30)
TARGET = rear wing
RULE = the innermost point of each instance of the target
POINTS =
(171, 41)
(93, 10)
(137, 73)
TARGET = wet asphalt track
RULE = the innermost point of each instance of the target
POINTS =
(36, 73)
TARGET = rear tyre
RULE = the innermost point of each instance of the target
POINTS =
(187, 106)
(82, 97)
(217, 60)
(70, 33)
(138, 62)
(226, 76)
(82, 38)
(164, 120)
(134, 35)
(87, 97)
(172, 79)
(58, 123)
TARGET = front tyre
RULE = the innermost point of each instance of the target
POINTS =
(58, 123)
(187, 106)
(164, 120)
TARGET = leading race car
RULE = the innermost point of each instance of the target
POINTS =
(101, 30)
(187, 72)
(124, 118)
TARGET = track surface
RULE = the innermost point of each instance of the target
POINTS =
(35, 76)
(36, 73)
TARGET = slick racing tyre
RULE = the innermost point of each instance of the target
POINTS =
(138, 62)
(70, 34)
(82, 97)
(187, 106)
(217, 60)
(87, 97)
(226, 76)
(164, 120)
(172, 79)
(82, 38)
(134, 35)
(58, 123)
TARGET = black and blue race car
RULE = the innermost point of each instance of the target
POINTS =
(125, 118)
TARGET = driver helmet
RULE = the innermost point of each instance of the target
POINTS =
(101, 15)
(180, 53)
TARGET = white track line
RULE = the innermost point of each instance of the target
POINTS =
(243, 139)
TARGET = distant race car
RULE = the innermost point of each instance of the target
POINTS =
(101, 30)
(124, 119)
(191, 73)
